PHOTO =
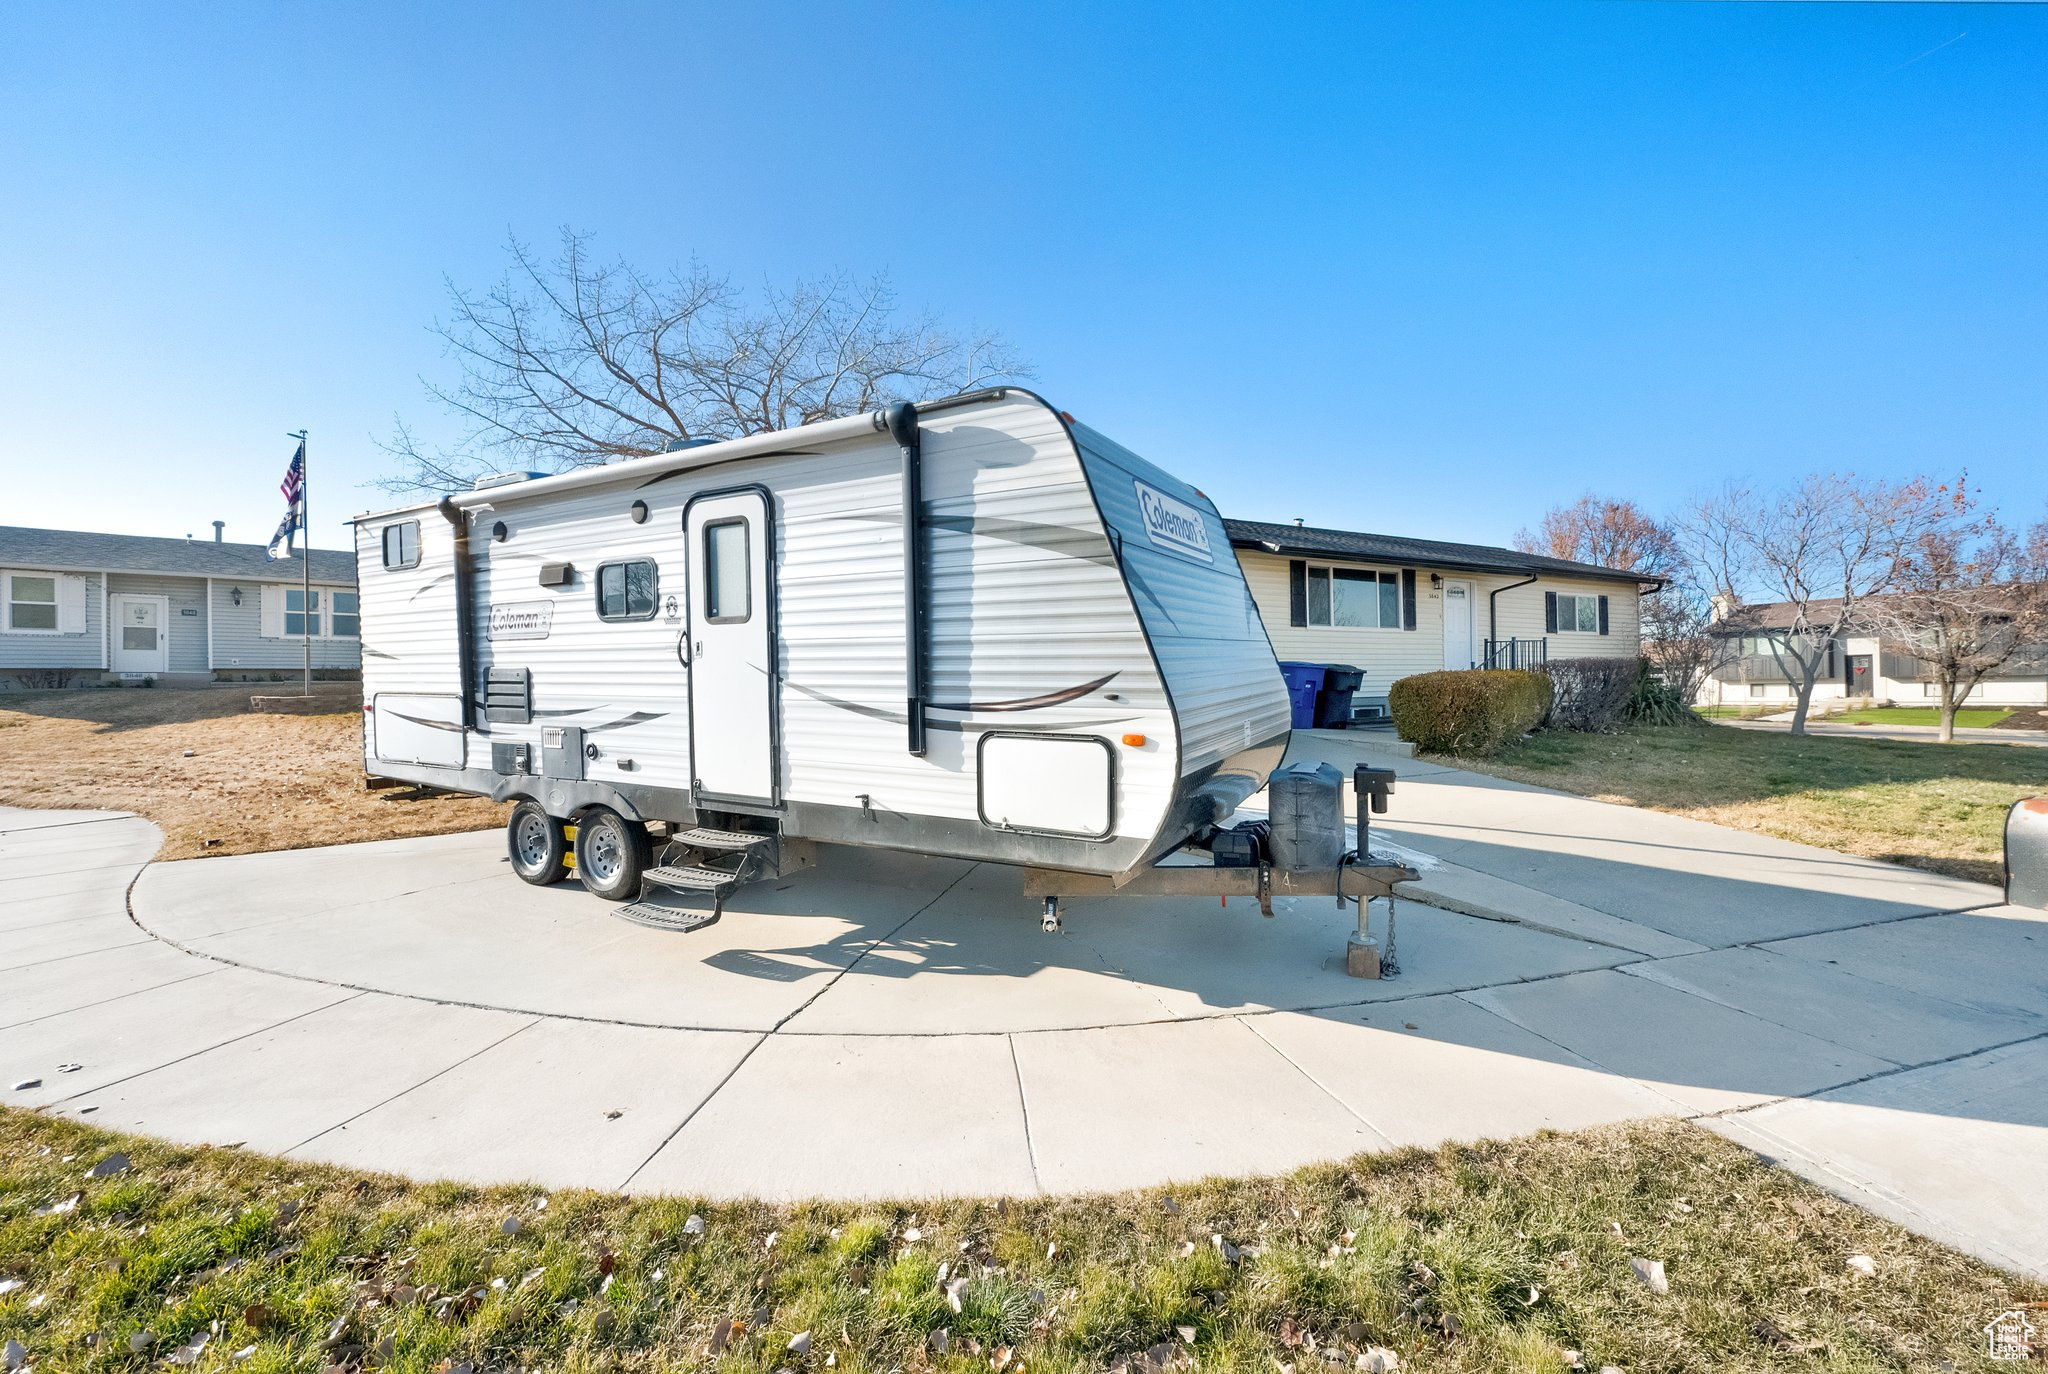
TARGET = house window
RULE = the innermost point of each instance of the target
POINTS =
(1354, 599)
(1759, 689)
(31, 603)
(728, 595)
(1578, 613)
(402, 545)
(347, 620)
(626, 591)
(295, 612)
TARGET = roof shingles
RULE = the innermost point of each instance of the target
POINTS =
(1427, 553)
(83, 551)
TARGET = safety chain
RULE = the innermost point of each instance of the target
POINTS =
(1390, 967)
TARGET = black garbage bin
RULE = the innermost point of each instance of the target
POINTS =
(1333, 703)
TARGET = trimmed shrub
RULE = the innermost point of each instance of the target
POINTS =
(1591, 693)
(1472, 711)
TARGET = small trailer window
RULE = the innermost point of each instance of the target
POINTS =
(402, 545)
(727, 589)
(626, 591)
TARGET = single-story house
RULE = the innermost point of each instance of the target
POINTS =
(1394, 606)
(1859, 666)
(78, 608)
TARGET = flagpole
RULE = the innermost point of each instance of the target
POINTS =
(306, 584)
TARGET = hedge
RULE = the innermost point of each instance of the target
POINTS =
(1471, 712)
(1591, 694)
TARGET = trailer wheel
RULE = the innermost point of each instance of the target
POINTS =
(540, 852)
(611, 854)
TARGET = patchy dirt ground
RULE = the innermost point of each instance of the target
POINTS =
(217, 777)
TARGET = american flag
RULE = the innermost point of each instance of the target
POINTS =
(294, 489)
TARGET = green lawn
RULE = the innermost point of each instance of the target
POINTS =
(1492, 1257)
(1935, 806)
(1975, 717)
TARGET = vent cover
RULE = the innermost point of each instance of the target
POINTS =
(508, 696)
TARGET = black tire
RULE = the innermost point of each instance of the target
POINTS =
(611, 854)
(540, 853)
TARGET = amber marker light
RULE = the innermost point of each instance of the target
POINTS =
(1135, 741)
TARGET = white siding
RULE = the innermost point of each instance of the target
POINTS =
(83, 647)
(1387, 656)
(243, 643)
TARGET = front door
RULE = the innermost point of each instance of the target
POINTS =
(1458, 625)
(732, 661)
(138, 633)
(1859, 675)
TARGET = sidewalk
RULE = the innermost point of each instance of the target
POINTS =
(1910, 734)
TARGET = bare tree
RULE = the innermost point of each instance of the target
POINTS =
(1612, 534)
(574, 361)
(1679, 638)
(1971, 598)
(1823, 548)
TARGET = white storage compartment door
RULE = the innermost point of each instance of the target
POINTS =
(1048, 784)
(416, 729)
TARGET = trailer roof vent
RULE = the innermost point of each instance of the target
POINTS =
(678, 445)
(503, 479)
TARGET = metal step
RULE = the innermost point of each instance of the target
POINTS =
(704, 837)
(685, 879)
(661, 917)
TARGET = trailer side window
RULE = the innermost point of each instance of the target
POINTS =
(402, 545)
(727, 593)
(626, 591)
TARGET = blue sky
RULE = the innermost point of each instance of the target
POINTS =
(1417, 268)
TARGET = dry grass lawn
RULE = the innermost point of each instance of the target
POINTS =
(1508, 1256)
(1934, 806)
(217, 777)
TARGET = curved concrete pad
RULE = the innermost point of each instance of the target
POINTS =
(889, 1025)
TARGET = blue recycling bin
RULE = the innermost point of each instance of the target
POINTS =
(1304, 681)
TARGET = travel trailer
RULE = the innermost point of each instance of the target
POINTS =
(971, 627)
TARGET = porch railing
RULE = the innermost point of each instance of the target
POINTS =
(1516, 653)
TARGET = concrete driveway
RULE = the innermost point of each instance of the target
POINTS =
(896, 1025)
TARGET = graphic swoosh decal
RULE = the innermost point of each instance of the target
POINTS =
(455, 726)
(898, 717)
(1026, 703)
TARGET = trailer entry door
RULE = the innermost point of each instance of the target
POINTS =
(732, 660)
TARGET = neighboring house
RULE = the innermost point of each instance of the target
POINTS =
(1395, 606)
(77, 609)
(1858, 666)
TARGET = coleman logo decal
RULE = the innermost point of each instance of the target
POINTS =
(1173, 523)
(521, 620)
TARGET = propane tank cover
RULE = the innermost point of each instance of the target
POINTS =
(1307, 810)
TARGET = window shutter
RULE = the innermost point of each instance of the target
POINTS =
(1297, 592)
(1407, 598)
(1550, 613)
(273, 611)
(71, 605)
(1603, 615)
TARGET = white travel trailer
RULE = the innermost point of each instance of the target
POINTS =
(971, 627)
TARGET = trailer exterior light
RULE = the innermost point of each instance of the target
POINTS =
(1135, 741)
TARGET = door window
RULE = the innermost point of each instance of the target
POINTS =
(139, 627)
(728, 593)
